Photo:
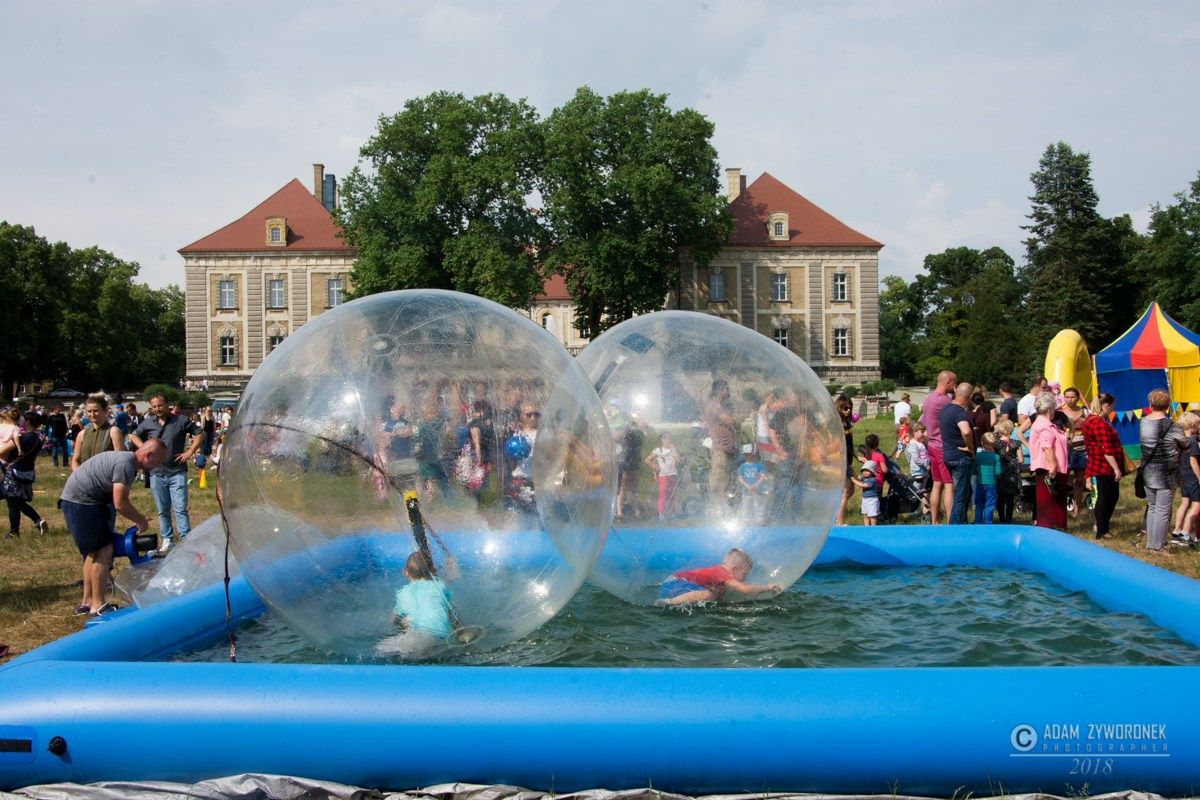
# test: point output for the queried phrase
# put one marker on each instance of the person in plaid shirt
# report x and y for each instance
(1104, 459)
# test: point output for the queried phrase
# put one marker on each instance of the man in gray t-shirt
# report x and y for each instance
(103, 481)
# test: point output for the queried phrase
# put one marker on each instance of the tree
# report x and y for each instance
(1169, 262)
(1074, 276)
(991, 346)
(900, 329)
(442, 199)
(80, 319)
(628, 184)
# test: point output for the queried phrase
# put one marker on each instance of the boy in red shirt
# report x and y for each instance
(710, 584)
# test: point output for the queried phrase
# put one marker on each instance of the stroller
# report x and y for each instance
(904, 497)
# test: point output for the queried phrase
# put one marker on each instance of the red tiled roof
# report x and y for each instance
(554, 288)
(809, 225)
(310, 226)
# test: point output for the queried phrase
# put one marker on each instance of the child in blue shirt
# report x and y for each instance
(750, 477)
(422, 610)
(987, 470)
(870, 491)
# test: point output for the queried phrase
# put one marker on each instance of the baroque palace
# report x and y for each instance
(791, 271)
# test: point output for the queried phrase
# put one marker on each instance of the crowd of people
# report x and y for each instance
(1047, 452)
(106, 447)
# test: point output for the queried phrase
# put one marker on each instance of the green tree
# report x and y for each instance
(628, 184)
(440, 199)
(161, 345)
(36, 277)
(991, 346)
(944, 290)
(101, 326)
(1169, 262)
(1074, 275)
(900, 329)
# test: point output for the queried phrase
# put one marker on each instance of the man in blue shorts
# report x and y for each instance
(102, 482)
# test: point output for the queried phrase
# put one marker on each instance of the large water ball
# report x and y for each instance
(417, 393)
(724, 441)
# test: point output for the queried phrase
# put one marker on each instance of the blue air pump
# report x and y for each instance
(138, 549)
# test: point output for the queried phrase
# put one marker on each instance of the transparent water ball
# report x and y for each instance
(414, 394)
(196, 561)
(724, 441)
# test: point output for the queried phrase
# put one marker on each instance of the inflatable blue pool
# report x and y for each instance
(97, 706)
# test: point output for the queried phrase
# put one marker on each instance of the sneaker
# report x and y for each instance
(164, 547)
(105, 609)
(82, 610)
(43, 526)
(1071, 506)
(1179, 538)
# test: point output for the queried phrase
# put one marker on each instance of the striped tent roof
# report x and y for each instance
(1154, 342)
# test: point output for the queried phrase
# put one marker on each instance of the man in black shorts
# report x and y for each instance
(103, 482)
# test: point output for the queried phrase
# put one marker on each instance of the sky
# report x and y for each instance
(140, 127)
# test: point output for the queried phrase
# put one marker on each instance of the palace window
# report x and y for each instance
(548, 321)
(841, 287)
(276, 294)
(276, 235)
(273, 342)
(226, 295)
(780, 335)
(716, 286)
(841, 342)
(228, 348)
(334, 292)
(779, 287)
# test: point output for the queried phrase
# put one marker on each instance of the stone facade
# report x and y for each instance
(820, 300)
(254, 320)
(253, 282)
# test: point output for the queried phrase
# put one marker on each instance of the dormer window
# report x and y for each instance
(276, 232)
(777, 227)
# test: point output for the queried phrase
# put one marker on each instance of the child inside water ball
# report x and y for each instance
(422, 610)
(711, 584)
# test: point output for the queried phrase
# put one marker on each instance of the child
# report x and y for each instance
(750, 479)
(871, 442)
(867, 481)
(987, 469)
(1189, 483)
(918, 462)
(665, 461)
(1008, 481)
(903, 436)
(711, 584)
(422, 610)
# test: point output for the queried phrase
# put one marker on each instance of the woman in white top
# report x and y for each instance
(665, 461)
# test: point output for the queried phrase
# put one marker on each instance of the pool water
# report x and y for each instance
(833, 617)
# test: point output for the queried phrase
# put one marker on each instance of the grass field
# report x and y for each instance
(39, 574)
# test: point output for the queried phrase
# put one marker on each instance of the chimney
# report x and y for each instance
(735, 182)
(319, 181)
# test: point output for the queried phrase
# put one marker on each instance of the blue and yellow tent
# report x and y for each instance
(1156, 353)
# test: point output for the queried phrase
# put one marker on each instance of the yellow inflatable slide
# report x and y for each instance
(1069, 363)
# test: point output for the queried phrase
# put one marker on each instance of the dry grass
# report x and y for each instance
(39, 574)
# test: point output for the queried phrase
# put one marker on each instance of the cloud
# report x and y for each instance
(143, 126)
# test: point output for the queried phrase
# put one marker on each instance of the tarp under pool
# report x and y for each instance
(90, 708)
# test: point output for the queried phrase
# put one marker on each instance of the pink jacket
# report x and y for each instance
(1044, 435)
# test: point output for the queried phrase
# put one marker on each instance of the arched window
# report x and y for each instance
(548, 321)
